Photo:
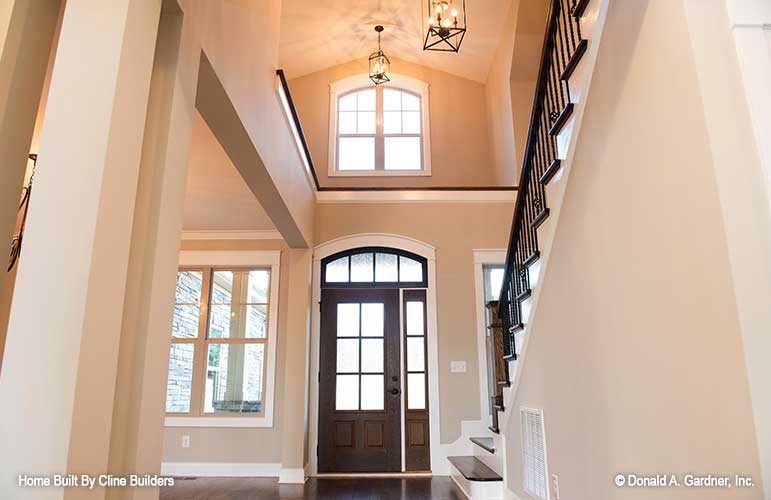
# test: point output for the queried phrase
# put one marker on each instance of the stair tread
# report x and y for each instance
(486, 443)
(474, 469)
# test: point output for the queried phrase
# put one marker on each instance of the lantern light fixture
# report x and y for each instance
(446, 25)
(379, 65)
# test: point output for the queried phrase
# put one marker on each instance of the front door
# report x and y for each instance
(359, 386)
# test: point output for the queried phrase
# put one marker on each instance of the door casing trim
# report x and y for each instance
(439, 464)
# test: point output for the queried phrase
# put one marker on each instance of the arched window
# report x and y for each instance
(379, 130)
(374, 267)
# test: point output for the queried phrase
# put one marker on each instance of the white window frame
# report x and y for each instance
(400, 82)
(270, 259)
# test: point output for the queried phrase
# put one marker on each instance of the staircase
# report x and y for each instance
(569, 50)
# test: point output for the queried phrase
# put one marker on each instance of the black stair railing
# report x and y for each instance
(552, 106)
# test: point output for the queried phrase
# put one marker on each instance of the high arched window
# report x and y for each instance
(374, 267)
(379, 130)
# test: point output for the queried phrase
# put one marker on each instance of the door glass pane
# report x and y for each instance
(234, 378)
(347, 320)
(347, 355)
(258, 282)
(184, 325)
(416, 391)
(362, 268)
(372, 320)
(337, 271)
(410, 270)
(416, 354)
(415, 318)
(371, 356)
(493, 282)
(180, 378)
(347, 392)
(189, 284)
(385, 267)
(402, 153)
(372, 392)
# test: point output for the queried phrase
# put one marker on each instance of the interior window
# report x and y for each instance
(379, 129)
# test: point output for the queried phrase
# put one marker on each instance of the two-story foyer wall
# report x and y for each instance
(460, 139)
(455, 230)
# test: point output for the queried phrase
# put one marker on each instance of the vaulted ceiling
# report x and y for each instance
(318, 34)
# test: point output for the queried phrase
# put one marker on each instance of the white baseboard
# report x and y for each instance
(220, 469)
(291, 476)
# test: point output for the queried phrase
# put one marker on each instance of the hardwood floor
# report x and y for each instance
(424, 488)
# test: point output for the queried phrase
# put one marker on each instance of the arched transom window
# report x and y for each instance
(379, 130)
(374, 267)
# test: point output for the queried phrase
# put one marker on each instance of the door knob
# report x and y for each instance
(394, 391)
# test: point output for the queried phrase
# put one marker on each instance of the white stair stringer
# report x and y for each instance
(592, 23)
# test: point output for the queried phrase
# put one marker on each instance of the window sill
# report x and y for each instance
(218, 422)
(379, 173)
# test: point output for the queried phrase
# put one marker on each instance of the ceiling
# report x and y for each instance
(318, 34)
(217, 198)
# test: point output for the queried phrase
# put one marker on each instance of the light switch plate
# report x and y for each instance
(457, 367)
(186, 441)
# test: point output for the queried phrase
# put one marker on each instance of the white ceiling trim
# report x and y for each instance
(238, 234)
(416, 196)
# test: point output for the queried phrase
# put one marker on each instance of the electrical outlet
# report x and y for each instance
(555, 486)
(457, 367)
(185, 440)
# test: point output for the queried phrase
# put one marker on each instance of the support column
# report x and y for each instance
(294, 421)
(59, 373)
(137, 434)
(26, 33)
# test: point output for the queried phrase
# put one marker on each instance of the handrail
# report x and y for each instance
(297, 126)
(552, 107)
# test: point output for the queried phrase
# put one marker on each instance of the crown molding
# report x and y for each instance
(237, 234)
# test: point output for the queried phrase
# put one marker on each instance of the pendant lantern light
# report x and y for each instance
(379, 65)
(446, 25)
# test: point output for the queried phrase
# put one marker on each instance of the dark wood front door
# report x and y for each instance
(359, 389)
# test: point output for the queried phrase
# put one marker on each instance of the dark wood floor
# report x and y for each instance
(423, 488)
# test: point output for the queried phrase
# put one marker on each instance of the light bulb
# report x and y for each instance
(438, 9)
(447, 23)
(430, 21)
(454, 12)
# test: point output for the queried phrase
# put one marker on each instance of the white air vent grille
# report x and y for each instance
(534, 453)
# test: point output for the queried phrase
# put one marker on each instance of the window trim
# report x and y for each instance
(235, 259)
(398, 81)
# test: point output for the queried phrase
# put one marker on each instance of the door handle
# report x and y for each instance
(395, 391)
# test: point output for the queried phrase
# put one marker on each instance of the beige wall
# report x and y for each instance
(240, 40)
(511, 84)
(255, 445)
(458, 117)
(635, 351)
(455, 230)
